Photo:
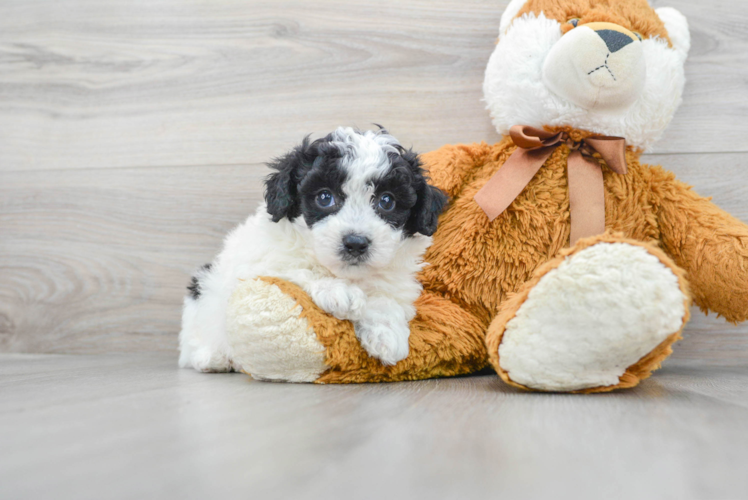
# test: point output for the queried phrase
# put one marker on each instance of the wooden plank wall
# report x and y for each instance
(133, 136)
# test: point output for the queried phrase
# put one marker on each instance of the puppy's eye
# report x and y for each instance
(325, 199)
(386, 202)
(638, 35)
(574, 21)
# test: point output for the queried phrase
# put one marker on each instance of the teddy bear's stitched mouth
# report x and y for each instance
(604, 65)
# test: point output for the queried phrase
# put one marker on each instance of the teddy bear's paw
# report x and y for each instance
(386, 342)
(268, 337)
(601, 311)
(342, 300)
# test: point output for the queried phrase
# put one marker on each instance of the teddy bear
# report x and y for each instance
(562, 261)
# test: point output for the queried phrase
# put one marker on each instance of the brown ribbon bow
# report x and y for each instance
(586, 190)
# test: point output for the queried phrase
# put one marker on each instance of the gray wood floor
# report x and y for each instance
(131, 426)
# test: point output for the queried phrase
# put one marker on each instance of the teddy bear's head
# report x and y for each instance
(612, 67)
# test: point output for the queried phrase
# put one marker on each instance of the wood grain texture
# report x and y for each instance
(133, 426)
(195, 82)
(132, 137)
(97, 260)
(90, 84)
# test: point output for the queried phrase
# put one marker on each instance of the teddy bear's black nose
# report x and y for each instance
(355, 245)
(615, 40)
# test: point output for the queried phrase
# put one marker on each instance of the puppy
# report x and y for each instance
(348, 219)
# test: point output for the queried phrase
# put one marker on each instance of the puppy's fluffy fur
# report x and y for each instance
(347, 218)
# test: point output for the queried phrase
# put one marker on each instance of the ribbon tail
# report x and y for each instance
(586, 197)
(506, 184)
(613, 151)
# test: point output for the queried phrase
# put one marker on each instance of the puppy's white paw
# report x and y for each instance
(206, 361)
(339, 299)
(388, 343)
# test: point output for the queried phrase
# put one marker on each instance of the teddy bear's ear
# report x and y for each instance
(281, 187)
(430, 203)
(509, 14)
(676, 25)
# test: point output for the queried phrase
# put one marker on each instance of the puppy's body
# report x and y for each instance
(324, 227)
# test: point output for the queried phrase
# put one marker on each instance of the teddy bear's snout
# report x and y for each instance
(614, 40)
(597, 66)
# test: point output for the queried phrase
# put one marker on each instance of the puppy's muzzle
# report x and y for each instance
(597, 66)
(355, 247)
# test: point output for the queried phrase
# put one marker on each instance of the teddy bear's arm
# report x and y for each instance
(710, 244)
(449, 166)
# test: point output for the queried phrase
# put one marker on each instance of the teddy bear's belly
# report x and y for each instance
(477, 263)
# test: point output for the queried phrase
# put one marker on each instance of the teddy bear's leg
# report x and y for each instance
(276, 332)
(268, 337)
(601, 316)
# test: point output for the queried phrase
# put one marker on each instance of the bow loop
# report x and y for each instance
(527, 137)
(586, 190)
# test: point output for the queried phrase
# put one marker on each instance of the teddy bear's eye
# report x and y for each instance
(574, 21)
(638, 35)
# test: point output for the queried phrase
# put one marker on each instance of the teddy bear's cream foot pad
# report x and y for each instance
(268, 337)
(600, 311)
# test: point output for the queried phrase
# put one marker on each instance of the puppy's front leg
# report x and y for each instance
(339, 298)
(383, 330)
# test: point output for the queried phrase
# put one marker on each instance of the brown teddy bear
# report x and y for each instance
(562, 260)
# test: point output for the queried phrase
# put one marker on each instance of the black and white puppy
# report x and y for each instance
(348, 219)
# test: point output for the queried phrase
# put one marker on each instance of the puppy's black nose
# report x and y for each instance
(615, 40)
(355, 245)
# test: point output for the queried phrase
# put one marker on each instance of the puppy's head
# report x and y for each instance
(361, 196)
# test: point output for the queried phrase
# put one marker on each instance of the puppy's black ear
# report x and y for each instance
(281, 187)
(424, 215)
